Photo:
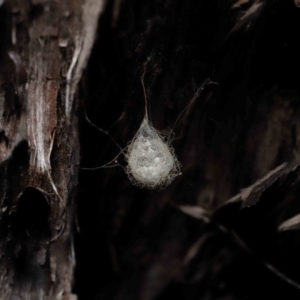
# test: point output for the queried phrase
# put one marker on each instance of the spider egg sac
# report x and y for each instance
(151, 161)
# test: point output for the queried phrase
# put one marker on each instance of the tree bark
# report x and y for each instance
(45, 48)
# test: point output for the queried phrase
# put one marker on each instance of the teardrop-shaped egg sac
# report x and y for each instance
(151, 161)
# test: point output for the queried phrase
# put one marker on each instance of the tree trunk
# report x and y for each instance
(71, 96)
(45, 46)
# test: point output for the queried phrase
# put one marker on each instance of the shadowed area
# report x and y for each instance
(231, 136)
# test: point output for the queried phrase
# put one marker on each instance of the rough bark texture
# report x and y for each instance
(221, 230)
(42, 57)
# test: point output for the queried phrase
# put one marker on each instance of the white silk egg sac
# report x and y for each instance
(151, 161)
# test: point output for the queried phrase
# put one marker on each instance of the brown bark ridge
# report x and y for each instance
(44, 49)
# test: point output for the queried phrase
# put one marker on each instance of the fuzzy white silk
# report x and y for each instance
(151, 161)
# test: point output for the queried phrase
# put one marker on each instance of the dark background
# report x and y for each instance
(133, 243)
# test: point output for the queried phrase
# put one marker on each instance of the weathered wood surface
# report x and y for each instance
(44, 48)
